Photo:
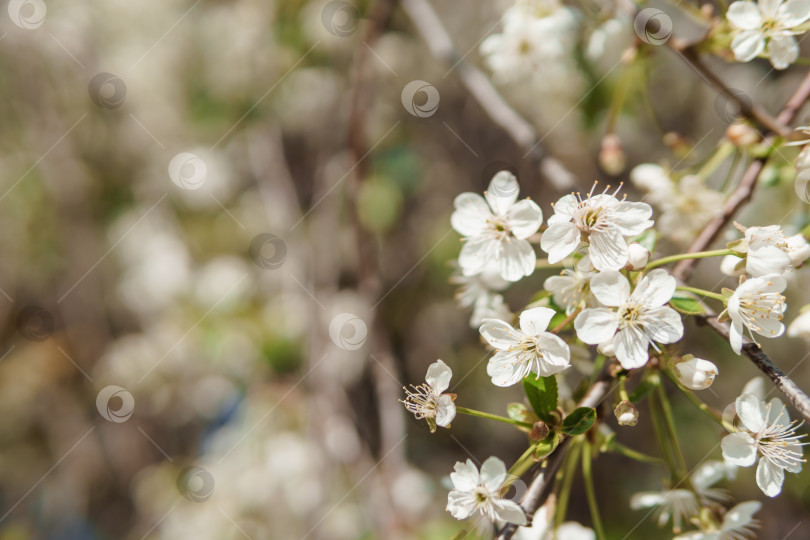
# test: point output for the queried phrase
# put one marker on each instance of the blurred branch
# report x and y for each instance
(746, 107)
(429, 25)
(543, 481)
(745, 189)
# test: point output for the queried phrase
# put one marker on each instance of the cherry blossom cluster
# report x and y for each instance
(613, 296)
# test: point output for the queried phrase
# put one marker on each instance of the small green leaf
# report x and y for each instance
(740, 246)
(546, 446)
(520, 412)
(579, 421)
(686, 304)
(542, 394)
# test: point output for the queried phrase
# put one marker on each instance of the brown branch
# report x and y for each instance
(478, 84)
(542, 483)
(683, 270)
(795, 394)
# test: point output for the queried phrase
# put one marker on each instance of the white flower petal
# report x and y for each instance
(524, 218)
(744, 15)
(751, 411)
(445, 411)
(735, 335)
(740, 516)
(465, 477)
(696, 373)
(461, 504)
(506, 369)
(739, 449)
(608, 250)
(747, 45)
(471, 214)
(559, 240)
(596, 325)
(656, 288)
(499, 334)
(632, 218)
(631, 348)
(710, 472)
(509, 511)
(611, 288)
(534, 321)
(438, 376)
(516, 259)
(770, 477)
(556, 354)
(564, 209)
(493, 474)
(502, 192)
(476, 254)
(766, 260)
(794, 12)
(663, 325)
(783, 51)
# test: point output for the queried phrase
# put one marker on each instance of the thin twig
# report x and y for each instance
(744, 190)
(478, 84)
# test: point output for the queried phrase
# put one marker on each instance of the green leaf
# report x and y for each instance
(542, 394)
(546, 446)
(579, 421)
(686, 304)
(520, 412)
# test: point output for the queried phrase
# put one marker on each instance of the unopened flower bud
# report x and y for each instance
(611, 155)
(741, 134)
(677, 143)
(626, 413)
(637, 256)
(695, 373)
(539, 431)
(607, 348)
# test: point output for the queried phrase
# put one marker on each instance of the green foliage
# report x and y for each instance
(542, 395)
(686, 304)
(579, 421)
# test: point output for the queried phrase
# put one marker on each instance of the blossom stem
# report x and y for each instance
(505, 420)
(591, 493)
(711, 413)
(723, 151)
(702, 292)
(663, 443)
(566, 322)
(523, 463)
(685, 256)
(619, 448)
(568, 473)
(670, 425)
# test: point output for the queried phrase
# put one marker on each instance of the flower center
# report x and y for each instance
(630, 314)
(761, 305)
(421, 401)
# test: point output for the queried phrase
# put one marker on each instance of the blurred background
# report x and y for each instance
(225, 248)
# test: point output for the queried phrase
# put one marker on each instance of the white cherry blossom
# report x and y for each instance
(600, 220)
(478, 291)
(480, 493)
(738, 524)
(770, 251)
(571, 289)
(632, 320)
(528, 350)
(800, 327)
(766, 430)
(767, 26)
(495, 228)
(428, 400)
(680, 505)
(758, 305)
(542, 528)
